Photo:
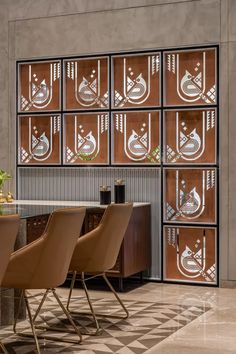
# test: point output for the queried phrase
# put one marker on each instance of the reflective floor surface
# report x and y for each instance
(165, 318)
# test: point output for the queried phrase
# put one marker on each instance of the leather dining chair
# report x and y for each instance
(9, 226)
(44, 263)
(96, 252)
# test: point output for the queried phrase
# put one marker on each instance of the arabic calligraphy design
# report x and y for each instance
(86, 138)
(87, 81)
(136, 80)
(40, 88)
(138, 136)
(191, 254)
(40, 139)
(189, 204)
(193, 75)
(193, 140)
(194, 195)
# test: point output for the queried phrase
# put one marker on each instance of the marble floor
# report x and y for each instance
(212, 330)
(212, 333)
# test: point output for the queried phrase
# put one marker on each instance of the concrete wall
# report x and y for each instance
(41, 28)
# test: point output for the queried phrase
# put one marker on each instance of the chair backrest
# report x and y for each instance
(9, 226)
(59, 240)
(102, 245)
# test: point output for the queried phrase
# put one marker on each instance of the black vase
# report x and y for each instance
(119, 193)
(105, 197)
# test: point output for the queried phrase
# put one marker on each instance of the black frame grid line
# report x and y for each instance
(109, 106)
(218, 162)
(161, 174)
(16, 133)
(195, 166)
(61, 114)
(110, 110)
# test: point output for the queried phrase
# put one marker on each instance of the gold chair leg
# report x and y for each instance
(59, 329)
(72, 284)
(98, 328)
(85, 331)
(95, 315)
(117, 296)
(40, 305)
(66, 312)
(45, 328)
(2, 347)
(18, 311)
(32, 324)
(34, 335)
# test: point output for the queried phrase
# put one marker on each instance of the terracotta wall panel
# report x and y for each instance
(190, 254)
(190, 195)
(190, 77)
(39, 139)
(39, 86)
(136, 80)
(190, 136)
(136, 137)
(86, 83)
(86, 138)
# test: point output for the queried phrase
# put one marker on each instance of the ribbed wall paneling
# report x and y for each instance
(142, 185)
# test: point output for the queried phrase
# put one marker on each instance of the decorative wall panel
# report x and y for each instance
(126, 112)
(190, 195)
(190, 254)
(190, 136)
(136, 137)
(86, 83)
(39, 139)
(39, 86)
(190, 77)
(86, 138)
(136, 80)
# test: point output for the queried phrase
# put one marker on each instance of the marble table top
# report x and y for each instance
(30, 208)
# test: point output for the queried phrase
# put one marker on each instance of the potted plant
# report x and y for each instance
(4, 176)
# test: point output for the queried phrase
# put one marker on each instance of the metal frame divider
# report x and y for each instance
(162, 166)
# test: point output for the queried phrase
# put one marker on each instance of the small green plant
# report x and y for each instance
(87, 157)
(4, 176)
(154, 156)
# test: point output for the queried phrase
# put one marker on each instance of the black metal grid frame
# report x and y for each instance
(162, 107)
(176, 164)
(143, 164)
(44, 114)
(63, 85)
(197, 227)
(70, 113)
(175, 168)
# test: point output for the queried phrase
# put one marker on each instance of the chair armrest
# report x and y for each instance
(22, 265)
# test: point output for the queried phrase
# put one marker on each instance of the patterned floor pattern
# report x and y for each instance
(149, 323)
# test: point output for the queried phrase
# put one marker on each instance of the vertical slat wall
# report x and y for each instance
(142, 185)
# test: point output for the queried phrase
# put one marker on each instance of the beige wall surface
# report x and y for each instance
(44, 28)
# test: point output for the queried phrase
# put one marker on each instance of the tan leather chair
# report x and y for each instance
(44, 263)
(97, 251)
(9, 226)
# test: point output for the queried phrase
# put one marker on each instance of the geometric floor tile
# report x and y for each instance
(149, 323)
